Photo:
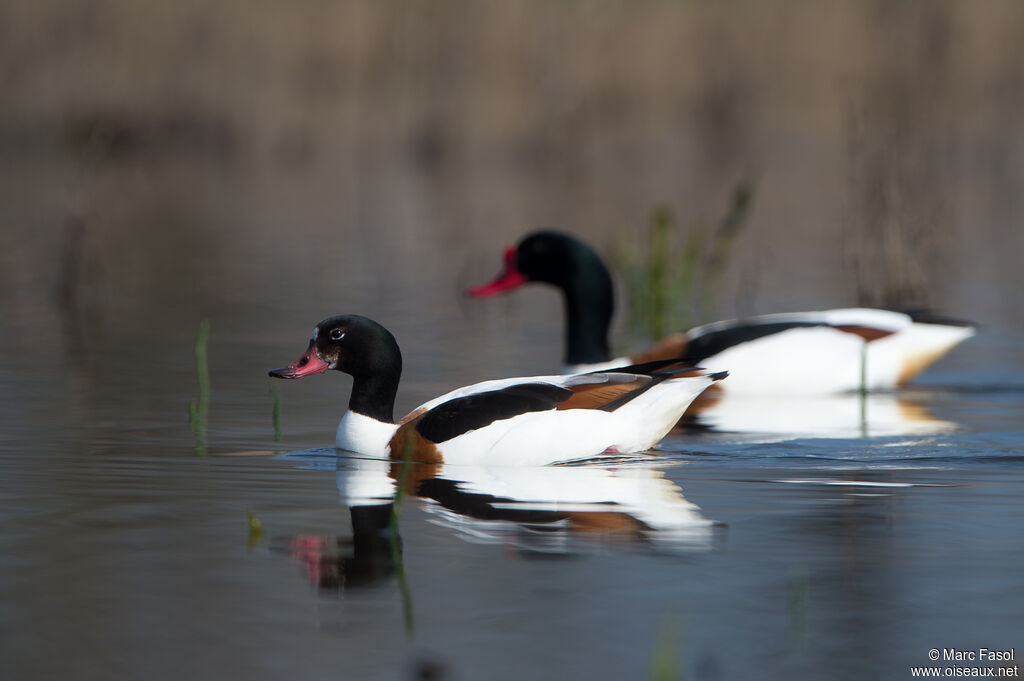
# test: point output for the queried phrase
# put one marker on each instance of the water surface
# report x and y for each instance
(847, 550)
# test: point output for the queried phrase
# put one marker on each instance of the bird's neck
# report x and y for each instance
(374, 394)
(589, 304)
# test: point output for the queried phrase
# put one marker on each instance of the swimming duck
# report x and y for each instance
(850, 349)
(534, 420)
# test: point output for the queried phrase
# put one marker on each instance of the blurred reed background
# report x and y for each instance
(161, 158)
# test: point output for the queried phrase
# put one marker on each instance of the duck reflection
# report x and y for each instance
(849, 415)
(335, 563)
(530, 511)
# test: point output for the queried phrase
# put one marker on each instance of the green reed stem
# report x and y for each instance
(724, 241)
(797, 606)
(657, 271)
(395, 539)
(666, 660)
(255, 527)
(198, 410)
(275, 416)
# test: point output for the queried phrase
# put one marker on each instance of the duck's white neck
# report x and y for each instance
(364, 435)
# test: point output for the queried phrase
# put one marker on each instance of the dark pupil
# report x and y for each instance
(335, 334)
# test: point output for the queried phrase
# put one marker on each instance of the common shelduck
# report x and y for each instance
(536, 420)
(846, 349)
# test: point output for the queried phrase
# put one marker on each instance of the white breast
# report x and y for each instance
(362, 434)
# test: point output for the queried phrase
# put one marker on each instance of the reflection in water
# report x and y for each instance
(336, 563)
(553, 510)
(548, 509)
(841, 416)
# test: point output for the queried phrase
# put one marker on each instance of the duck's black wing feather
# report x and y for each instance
(463, 414)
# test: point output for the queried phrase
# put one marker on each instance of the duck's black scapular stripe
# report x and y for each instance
(657, 377)
(926, 316)
(714, 342)
(463, 414)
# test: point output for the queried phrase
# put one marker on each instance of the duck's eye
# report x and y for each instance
(337, 334)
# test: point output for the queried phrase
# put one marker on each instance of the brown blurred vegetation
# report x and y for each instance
(159, 152)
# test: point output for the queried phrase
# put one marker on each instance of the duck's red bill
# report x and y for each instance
(506, 281)
(306, 365)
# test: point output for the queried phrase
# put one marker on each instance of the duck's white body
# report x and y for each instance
(835, 357)
(595, 366)
(835, 353)
(541, 437)
(894, 360)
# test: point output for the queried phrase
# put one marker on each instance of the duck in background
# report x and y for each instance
(839, 350)
(537, 420)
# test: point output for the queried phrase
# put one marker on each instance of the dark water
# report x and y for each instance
(831, 548)
(267, 165)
